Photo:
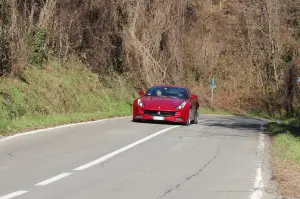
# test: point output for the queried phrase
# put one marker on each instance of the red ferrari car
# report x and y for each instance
(167, 103)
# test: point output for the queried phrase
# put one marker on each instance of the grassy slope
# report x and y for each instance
(286, 139)
(286, 156)
(57, 95)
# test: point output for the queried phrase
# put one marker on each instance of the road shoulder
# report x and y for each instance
(270, 190)
(285, 159)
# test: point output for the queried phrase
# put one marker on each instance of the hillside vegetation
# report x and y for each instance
(63, 94)
(250, 46)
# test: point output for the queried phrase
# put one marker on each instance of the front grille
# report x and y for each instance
(160, 113)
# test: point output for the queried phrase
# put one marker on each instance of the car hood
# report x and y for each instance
(162, 103)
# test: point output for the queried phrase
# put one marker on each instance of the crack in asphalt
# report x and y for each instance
(233, 191)
(11, 154)
(190, 177)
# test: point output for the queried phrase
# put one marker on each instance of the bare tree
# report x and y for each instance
(242, 43)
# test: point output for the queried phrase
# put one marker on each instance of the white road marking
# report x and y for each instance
(53, 128)
(55, 178)
(12, 195)
(258, 181)
(110, 155)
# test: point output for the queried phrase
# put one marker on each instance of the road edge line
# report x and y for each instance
(258, 182)
(4, 138)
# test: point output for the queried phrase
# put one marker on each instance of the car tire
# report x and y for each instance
(188, 122)
(196, 120)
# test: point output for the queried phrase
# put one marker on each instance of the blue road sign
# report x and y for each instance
(213, 83)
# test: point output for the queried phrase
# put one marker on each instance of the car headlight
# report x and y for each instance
(181, 106)
(140, 103)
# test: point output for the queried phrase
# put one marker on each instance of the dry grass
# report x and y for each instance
(287, 176)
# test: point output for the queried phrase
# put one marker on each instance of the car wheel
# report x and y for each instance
(134, 120)
(188, 122)
(196, 120)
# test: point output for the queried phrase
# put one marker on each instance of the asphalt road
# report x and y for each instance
(219, 158)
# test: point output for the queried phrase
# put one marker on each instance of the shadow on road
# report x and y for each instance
(292, 128)
(243, 123)
(156, 122)
(238, 123)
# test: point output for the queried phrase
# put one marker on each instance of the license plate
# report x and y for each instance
(158, 118)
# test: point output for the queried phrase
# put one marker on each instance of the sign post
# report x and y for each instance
(212, 86)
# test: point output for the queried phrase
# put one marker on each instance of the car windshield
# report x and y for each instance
(164, 91)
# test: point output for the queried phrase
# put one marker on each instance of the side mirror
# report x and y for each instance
(194, 96)
(141, 93)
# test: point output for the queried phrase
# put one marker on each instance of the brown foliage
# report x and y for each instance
(244, 43)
